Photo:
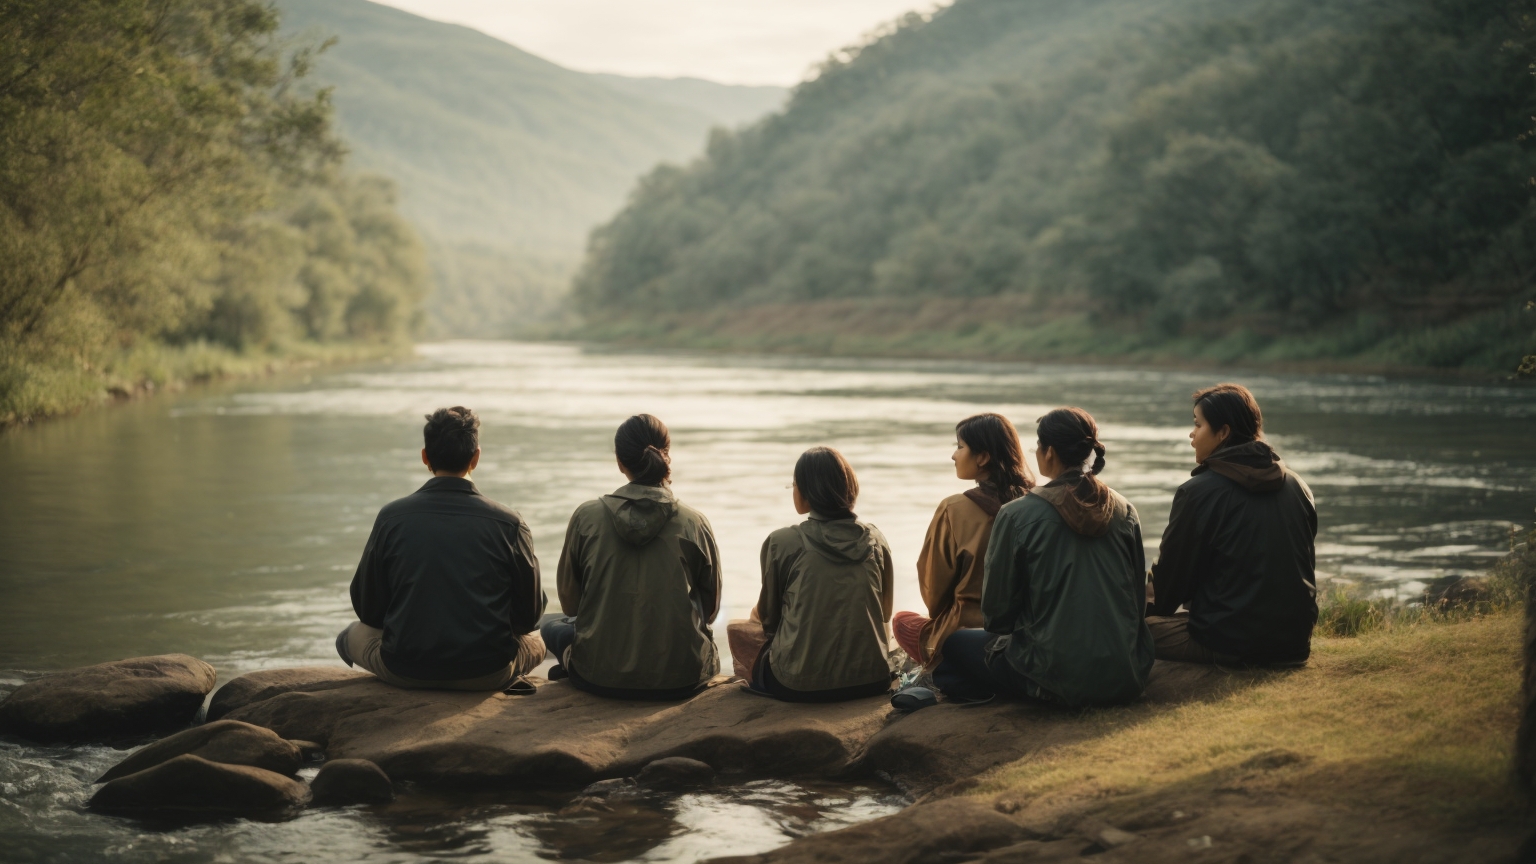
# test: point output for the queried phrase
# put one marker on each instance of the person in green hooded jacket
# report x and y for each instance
(1064, 590)
(826, 600)
(639, 582)
(1238, 552)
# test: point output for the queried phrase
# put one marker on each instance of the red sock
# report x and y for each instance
(908, 629)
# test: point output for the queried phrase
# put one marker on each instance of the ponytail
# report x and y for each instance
(1072, 433)
(643, 446)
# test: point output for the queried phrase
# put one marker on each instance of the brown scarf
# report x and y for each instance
(1084, 502)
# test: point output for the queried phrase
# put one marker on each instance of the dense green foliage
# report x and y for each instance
(1174, 168)
(163, 185)
(505, 161)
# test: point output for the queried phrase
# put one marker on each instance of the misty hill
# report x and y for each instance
(1236, 178)
(504, 160)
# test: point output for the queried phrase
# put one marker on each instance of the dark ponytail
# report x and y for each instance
(1008, 477)
(826, 481)
(642, 445)
(1072, 433)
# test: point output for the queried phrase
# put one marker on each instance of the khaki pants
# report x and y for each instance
(1170, 636)
(366, 645)
(746, 638)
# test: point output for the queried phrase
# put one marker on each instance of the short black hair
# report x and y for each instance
(452, 436)
(1233, 406)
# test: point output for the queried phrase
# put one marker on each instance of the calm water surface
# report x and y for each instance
(226, 524)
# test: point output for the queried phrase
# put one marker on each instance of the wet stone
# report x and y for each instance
(228, 742)
(109, 701)
(352, 781)
(675, 773)
(192, 787)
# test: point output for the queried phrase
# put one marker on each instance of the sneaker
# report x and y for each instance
(913, 698)
(557, 673)
(520, 687)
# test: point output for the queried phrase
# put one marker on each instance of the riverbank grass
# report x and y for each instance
(1407, 725)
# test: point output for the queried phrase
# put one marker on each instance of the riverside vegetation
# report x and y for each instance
(1271, 180)
(172, 207)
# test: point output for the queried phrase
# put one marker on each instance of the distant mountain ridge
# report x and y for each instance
(504, 160)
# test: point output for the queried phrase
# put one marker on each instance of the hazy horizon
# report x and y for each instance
(750, 42)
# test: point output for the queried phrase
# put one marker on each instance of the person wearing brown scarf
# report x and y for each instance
(1064, 589)
(954, 553)
(1238, 552)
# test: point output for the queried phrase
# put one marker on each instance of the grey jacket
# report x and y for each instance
(826, 600)
(641, 574)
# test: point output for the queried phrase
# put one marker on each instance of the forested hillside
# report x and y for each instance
(1261, 179)
(505, 161)
(170, 207)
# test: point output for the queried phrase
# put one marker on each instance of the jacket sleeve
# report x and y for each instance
(770, 600)
(527, 591)
(706, 580)
(1178, 556)
(1005, 582)
(887, 581)
(370, 585)
(936, 564)
(568, 575)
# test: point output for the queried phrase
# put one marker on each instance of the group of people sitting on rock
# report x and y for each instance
(1032, 591)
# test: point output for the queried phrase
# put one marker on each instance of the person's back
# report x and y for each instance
(827, 587)
(1070, 594)
(447, 593)
(639, 578)
(1238, 551)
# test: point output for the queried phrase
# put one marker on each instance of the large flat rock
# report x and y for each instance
(561, 736)
(109, 701)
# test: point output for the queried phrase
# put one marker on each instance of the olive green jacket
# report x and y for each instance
(825, 603)
(1072, 602)
(641, 574)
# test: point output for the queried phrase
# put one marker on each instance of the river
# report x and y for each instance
(225, 522)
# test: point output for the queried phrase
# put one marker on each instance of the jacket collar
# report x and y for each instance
(450, 484)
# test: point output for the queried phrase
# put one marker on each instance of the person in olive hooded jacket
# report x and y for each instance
(639, 579)
(1064, 589)
(1239, 547)
(827, 594)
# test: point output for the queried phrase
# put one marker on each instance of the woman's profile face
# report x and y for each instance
(1203, 438)
(968, 465)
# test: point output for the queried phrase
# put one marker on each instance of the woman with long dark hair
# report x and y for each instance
(826, 597)
(1065, 587)
(1239, 550)
(639, 582)
(954, 554)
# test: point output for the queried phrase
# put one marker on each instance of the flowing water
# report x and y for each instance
(226, 522)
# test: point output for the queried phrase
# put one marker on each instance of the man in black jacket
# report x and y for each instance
(447, 594)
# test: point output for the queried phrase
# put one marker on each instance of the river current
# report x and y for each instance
(225, 522)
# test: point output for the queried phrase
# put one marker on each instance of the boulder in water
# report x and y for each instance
(228, 742)
(109, 701)
(190, 786)
(257, 686)
(352, 781)
(675, 773)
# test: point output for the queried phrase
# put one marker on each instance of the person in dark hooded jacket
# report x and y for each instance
(827, 595)
(1064, 588)
(639, 582)
(1239, 550)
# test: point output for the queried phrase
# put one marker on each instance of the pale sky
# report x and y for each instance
(730, 41)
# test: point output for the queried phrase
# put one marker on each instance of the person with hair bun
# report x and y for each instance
(639, 582)
(818, 632)
(1239, 549)
(1065, 587)
(954, 553)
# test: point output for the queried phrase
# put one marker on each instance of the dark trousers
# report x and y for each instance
(560, 634)
(974, 668)
(763, 681)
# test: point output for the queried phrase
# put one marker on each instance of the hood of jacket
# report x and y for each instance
(640, 512)
(986, 498)
(1254, 465)
(845, 541)
(1083, 501)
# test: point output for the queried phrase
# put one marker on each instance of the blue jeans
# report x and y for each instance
(974, 668)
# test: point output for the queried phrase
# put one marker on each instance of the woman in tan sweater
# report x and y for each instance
(950, 567)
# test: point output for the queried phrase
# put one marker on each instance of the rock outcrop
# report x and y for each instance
(256, 686)
(190, 786)
(228, 742)
(109, 701)
(351, 781)
(563, 737)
